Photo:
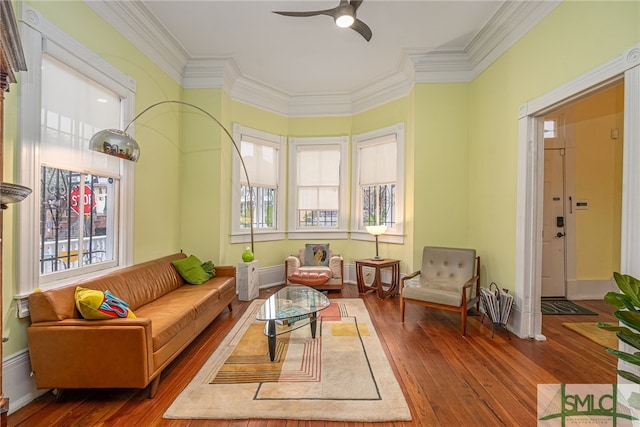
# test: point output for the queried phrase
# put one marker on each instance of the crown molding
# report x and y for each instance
(511, 22)
(203, 73)
(258, 94)
(138, 25)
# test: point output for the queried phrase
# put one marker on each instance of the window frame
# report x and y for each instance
(40, 37)
(310, 233)
(394, 234)
(277, 142)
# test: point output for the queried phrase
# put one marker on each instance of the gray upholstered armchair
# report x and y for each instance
(315, 266)
(449, 280)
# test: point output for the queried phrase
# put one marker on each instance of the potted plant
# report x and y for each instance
(628, 313)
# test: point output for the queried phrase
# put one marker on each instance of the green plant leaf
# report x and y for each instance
(613, 328)
(630, 338)
(615, 299)
(628, 376)
(635, 360)
(629, 318)
(630, 286)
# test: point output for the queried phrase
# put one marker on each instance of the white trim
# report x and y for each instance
(17, 383)
(260, 235)
(356, 218)
(39, 35)
(341, 144)
(134, 21)
(590, 289)
(530, 144)
(630, 251)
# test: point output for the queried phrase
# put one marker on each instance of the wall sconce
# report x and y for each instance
(12, 193)
(119, 144)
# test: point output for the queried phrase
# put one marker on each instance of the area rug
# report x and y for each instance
(564, 307)
(598, 335)
(341, 375)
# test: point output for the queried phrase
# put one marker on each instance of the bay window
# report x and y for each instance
(318, 187)
(378, 182)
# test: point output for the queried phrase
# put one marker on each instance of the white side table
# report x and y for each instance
(248, 281)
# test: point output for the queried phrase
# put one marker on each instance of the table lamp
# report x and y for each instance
(376, 230)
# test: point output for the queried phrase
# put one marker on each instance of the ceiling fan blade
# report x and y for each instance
(362, 28)
(356, 4)
(310, 13)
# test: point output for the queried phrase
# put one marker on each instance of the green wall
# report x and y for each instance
(157, 203)
(576, 37)
(461, 146)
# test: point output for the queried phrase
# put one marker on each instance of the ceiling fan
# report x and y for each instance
(344, 14)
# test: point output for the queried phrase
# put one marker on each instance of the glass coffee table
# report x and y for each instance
(292, 307)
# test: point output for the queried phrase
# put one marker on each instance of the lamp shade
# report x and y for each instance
(376, 230)
(115, 143)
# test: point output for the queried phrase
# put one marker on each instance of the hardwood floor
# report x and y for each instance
(447, 379)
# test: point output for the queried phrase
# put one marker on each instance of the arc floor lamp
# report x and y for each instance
(119, 144)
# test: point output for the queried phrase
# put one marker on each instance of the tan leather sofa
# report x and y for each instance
(68, 351)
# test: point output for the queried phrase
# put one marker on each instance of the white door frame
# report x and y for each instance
(527, 320)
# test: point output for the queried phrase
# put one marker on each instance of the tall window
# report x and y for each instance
(378, 179)
(78, 220)
(263, 156)
(318, 185)
(77, 225)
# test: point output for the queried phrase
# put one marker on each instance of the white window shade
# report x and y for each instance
(318, 198)
(260, 159)
(67, 123)
(318, 167)
(378, 163)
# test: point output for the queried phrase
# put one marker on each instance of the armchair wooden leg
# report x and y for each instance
(402, 307)
(464, 321)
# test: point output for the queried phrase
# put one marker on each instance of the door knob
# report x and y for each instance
(560, 234)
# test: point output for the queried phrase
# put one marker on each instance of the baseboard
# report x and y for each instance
(590, 289)
(17, 383)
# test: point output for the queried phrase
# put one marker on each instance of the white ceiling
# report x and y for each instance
(309, 66)
(312, 55)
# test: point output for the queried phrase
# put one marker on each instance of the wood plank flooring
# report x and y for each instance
(447, 379)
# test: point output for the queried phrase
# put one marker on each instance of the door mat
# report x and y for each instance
(564, 307)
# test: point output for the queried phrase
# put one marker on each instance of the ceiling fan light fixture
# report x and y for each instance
(345, 16)
(344, 21)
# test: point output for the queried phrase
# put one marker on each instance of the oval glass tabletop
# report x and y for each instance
(292, 302)
(289, 309)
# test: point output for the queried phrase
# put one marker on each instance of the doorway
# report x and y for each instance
(582, 195)
(527, 319)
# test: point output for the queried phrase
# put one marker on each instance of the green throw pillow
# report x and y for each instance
(94, 304)
(191, 270)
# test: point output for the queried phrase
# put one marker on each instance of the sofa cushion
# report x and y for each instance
(191, 270)
(94, 304)
(316, 254)
(309, 277)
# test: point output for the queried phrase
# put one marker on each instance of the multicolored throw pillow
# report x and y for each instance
(316, 254)
(94, 304)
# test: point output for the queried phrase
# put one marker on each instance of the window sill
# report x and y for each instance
(318, 234)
